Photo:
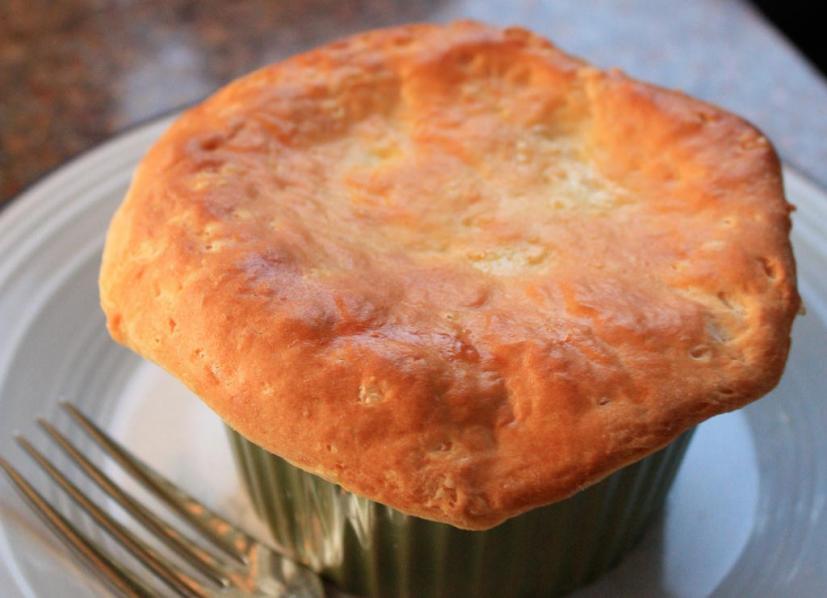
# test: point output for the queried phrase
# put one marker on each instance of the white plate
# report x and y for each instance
(746, 516)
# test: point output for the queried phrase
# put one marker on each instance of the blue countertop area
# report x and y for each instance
(722, 51)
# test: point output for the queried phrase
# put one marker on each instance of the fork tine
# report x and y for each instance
(160, 566)
(177, 542)
(230, 539)
(114, 574)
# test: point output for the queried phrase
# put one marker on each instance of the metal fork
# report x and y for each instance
(235, 565)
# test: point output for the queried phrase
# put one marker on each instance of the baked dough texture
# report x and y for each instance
(454, 269)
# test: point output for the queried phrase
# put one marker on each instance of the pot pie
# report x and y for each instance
(455, 270)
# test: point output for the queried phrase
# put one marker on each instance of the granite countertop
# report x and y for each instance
(75, 72)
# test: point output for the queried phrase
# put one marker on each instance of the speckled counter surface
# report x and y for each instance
(75, 72)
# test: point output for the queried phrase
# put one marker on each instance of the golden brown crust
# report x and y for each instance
(454, 269)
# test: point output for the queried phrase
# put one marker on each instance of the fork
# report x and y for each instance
(235, 565)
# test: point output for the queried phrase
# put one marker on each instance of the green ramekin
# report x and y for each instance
(370, 549)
